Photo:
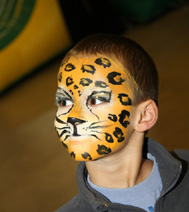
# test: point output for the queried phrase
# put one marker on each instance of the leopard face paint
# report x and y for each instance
(94, 101)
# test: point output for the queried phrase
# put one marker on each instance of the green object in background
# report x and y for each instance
(32, 32)
(139, 10)
(14, 15)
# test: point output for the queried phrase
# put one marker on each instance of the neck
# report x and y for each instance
(122, 169)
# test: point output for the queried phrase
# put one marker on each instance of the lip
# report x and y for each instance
(82, 138)
(78, 138)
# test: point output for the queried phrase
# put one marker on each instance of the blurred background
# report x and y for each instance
(36, 173)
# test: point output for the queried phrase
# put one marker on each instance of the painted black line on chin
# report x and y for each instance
(67, 136)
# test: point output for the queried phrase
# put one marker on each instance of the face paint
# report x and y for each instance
(94, 101)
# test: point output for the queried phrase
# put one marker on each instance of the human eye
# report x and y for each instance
(94, 101)
(63, 99)
(98, 98)
(63, 102)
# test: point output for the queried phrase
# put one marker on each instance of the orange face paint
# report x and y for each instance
(94, 102)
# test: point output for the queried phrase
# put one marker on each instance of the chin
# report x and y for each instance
(79, 158)
(83, 151)
(81, 138)
(87, 148)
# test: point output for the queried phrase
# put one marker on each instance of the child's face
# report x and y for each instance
(94, 102)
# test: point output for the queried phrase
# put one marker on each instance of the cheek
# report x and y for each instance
(116, 121)
(64, 110)
(118, 118)
(61, 127)
(61, 117)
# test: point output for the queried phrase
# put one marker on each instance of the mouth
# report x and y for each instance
(82, 137)
(78, 138)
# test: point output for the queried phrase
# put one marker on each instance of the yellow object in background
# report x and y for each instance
(31, 33)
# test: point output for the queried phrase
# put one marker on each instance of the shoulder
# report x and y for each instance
(76, 204)
(177, 198)
(69, 206)
(182, 154)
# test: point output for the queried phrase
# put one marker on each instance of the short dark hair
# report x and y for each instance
(131, 55)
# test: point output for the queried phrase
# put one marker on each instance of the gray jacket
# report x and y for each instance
(174, 196)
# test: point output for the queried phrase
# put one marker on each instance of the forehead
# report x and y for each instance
(96, 71)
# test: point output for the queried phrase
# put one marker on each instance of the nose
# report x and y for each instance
(75, 121)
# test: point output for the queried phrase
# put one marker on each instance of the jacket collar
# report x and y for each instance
(169, 169)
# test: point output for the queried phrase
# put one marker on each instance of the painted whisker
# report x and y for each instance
(61, 128)
(96, 136)
(60, 121)
(97, 131)
(96, 127)
(63, 132)
(96, 123)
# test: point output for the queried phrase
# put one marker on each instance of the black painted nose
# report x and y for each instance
(74, 121)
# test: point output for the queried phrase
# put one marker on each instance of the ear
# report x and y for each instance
(147, 115)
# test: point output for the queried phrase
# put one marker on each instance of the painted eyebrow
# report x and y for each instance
(101, 93)
(62, 92)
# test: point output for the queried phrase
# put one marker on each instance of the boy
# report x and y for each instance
(107, 100)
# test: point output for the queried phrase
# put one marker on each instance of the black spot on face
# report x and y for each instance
(103, 150)
(101, 84)
(112, 117)
(123, 118)
(60, 77)
(124, 99)
(109, 138)
(88, 68)
(69, 81)
(79, 92)
(69, 67)
(85, 81)
(72, 154)
(115, 78)
(76, 87)
(86, 155)
(103, 62)
(118, 134)
(71, 92)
